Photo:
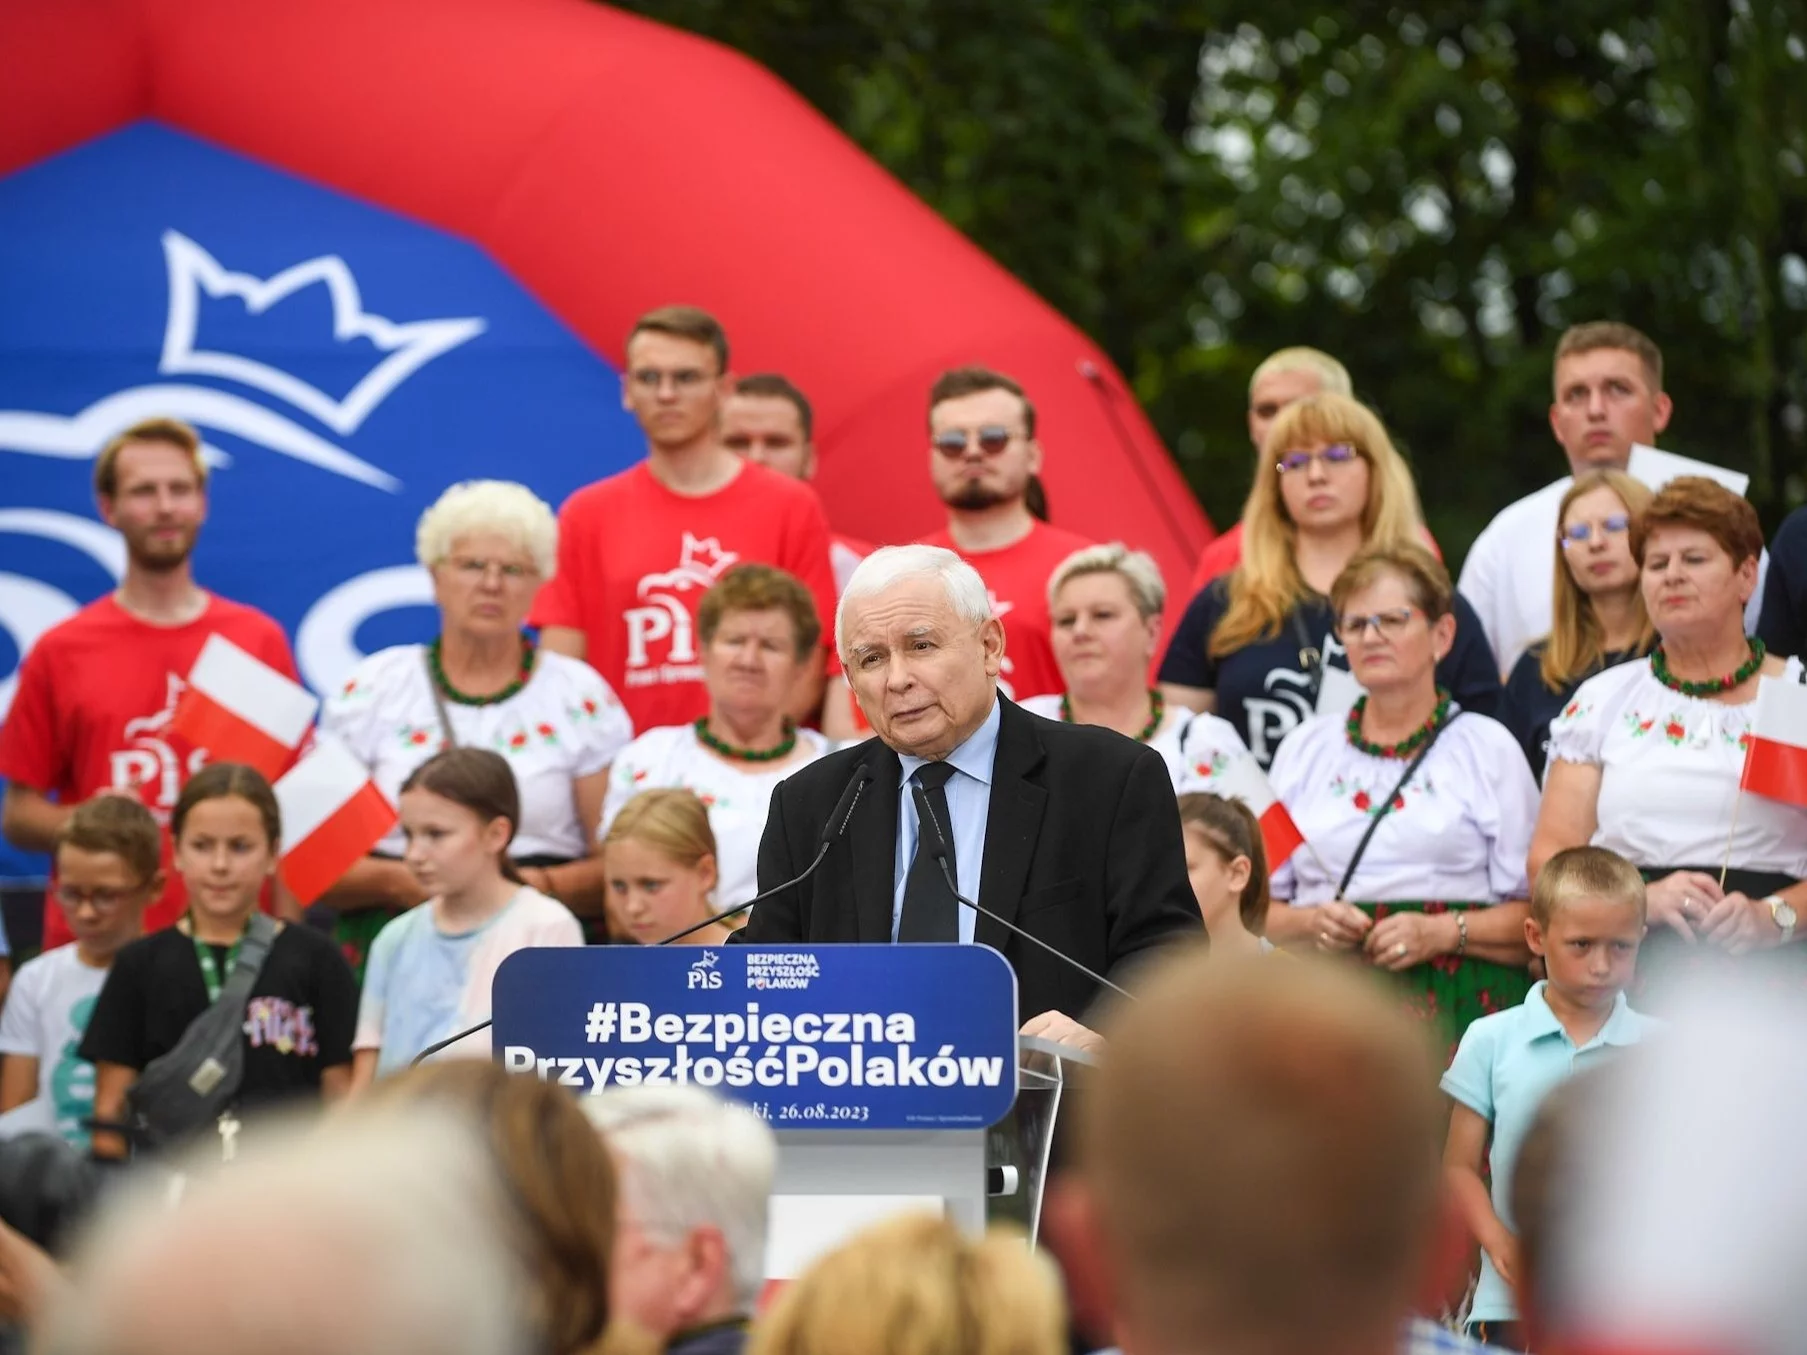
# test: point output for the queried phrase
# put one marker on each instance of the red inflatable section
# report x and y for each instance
(611, 165)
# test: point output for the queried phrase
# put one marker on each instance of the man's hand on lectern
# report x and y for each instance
(1063, 1029)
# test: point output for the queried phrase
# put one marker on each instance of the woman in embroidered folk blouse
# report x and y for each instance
(758, 628)
(1648, 756)
(488, 545)
(1442, 878)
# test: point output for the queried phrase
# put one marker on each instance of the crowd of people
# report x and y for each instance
(1497, 781)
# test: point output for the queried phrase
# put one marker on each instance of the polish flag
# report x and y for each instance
(240, 709)
(332, 815)
(1775, 758)
(1244, 780)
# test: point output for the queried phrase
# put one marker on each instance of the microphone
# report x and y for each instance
(928, 823)
(832, 832)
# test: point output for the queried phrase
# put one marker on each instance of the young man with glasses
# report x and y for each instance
(982, 458)
(637, 551)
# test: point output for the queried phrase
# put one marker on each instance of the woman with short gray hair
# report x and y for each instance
(483, 683)
(1105, 606)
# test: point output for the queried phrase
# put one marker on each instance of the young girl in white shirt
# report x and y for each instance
(431, 969)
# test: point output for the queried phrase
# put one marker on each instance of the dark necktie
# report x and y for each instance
(929, 910)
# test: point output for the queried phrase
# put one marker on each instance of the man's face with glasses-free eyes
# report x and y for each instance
(1273, 393)
(673, 387)
(979, 453)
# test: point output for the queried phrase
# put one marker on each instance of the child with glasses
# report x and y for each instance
(108, 855)
(1598, 619)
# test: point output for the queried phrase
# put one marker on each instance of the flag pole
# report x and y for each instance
(1731, 833)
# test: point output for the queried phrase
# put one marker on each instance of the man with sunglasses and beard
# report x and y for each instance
(983, 457)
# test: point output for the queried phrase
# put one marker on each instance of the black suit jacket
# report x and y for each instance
(1082, 849)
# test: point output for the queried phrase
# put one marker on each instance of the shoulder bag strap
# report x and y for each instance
(260, 934)
(1386, 806)
(445, 720)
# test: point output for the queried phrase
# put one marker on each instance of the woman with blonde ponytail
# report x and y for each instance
(1253, 646)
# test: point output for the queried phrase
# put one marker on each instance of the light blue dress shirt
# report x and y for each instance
(968, 805)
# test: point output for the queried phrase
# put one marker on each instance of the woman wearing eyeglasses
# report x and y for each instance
(1253, 647)
(1417, 814)
(482, 683)
(1598, 619)
(1648, 758)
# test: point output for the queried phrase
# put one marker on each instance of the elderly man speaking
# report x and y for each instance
(1069, 831)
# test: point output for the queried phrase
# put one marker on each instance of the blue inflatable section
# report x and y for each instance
(344, 365)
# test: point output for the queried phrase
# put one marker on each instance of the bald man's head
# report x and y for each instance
(374, 1235)
(1261, 1152)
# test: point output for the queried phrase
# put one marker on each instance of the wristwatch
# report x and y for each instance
(1783, 912)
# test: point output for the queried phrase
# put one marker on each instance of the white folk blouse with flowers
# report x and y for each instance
(737, 797)
(1165, 740)
(1669, 772)
(1459, 831)
(565, 723)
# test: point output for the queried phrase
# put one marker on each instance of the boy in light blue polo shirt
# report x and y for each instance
(1586, 921)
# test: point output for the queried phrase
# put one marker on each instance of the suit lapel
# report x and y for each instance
(1013, 824)
(873, 835)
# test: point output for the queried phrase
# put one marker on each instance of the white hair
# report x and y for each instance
(1139, 571)
(390, 1229)
(891, 565)
(688, 1159)
(499, 506)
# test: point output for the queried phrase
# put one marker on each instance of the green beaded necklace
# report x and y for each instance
(728, 750)
(1659, 667)
(1157, 706)
(437, 668)
(1406, 746)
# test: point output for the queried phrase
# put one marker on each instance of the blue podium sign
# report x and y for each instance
(833, 1036)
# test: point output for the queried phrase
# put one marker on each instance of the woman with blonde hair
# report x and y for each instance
(1105, 604)
(917, 1285)
(660, 860)
(1253, 646)
(1598, 617)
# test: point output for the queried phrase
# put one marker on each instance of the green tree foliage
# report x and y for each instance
(1432, 193)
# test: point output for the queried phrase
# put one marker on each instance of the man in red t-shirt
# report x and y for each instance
(770, 422)
(637, 551)
(96, 692)
(982, 457)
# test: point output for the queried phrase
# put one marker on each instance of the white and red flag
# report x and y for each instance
(240, 709)
(1239, 777)
(1775, 758)
(332, 815)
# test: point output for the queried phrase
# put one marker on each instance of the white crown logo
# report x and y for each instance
(408, 347)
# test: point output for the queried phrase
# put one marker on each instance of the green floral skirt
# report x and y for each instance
(355, 932)
(1452, 993)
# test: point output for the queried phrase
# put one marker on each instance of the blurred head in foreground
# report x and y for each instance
(557, 1176)
(1674, 1212)
(375, 1235)
(917, 1285)
(1259, 1162)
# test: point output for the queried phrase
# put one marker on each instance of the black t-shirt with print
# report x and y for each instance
(299, 1019)
(1528, 705)
(1265, 689)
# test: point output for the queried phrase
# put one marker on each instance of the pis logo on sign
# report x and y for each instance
(703, 973)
